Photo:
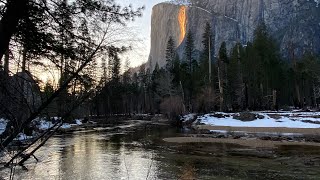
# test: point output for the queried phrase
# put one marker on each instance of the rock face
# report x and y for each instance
(294, 23)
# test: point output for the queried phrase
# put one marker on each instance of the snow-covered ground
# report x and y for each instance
(42, 124)
(23, 137)
(3, 124)
(188, 117)
(282, 119)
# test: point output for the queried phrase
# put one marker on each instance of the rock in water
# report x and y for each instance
(294, 23)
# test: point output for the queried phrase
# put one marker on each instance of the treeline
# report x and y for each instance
(250, 77)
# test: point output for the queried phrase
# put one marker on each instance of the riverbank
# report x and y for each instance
(247, 142)
(257, 133)
(281, 124)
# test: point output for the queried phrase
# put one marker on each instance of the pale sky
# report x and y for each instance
(141, 28)
(139, 31)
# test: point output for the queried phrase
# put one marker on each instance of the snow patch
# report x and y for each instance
(23, 137)
(44, 125)
(188, 117)
(66, 126)
(3, 125)
(78, 121)
(180, 2)
(202, 9)
(267, 121)
(230, 18)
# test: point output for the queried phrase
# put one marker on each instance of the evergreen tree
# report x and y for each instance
(269, 65)
(170, 54)
(223, 56)
(176, 72)
(127, 73)
(236, 88)
(222, 75)
(189, 51)
(207, 54)
(189, 81)
(115, 73)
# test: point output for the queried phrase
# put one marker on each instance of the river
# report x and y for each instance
(135, 151)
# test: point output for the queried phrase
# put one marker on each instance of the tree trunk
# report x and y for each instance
(298, 94)
(16, 9)
(24, 60)
(274, 100)
(6, 62)
(220, 89)
(246, 106)
(183, 99)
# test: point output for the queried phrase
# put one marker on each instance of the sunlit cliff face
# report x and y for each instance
(182, 18)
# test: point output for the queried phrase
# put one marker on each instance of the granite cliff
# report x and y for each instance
(290, 22)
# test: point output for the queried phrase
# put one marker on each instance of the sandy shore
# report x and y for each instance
(254, 143)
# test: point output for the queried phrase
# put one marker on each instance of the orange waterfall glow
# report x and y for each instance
(182, 18)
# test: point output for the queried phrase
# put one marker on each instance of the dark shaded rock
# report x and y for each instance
(266, 138)
(217, 115)
(311, 122)
(247, 116)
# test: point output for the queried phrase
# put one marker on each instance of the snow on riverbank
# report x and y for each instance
(41, 124)
(44, 124)
(23, 137)
(188, 117)
(3, 124)
(267, 119)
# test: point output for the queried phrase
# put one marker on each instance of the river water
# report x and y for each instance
(135, 151)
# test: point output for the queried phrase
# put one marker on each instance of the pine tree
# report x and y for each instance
(222, 77)
(189, 83)
(269, 65)
(127, 72)
(189, 51)
(235, 78)
(170, 54)
(207, 54)
(115, 73)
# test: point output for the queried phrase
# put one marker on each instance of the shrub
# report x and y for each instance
(172, 107)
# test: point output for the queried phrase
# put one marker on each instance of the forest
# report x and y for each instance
(254, 76)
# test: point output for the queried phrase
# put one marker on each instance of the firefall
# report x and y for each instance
(182, 18)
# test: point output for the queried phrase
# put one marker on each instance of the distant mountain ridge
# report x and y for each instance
(293, 23)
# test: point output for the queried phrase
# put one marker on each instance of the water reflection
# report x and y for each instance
(87, 156)
(141, 155)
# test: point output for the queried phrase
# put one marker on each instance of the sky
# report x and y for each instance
(141, 28)
(136, 33)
